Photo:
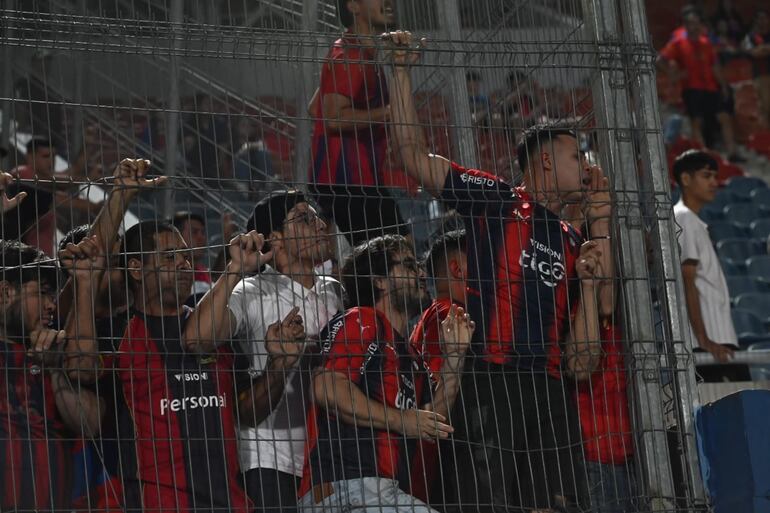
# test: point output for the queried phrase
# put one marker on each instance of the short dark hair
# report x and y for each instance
(535, 136)
(689, 9)
(182, 217)
(38, 142)
(22, 263)
(691, 161)
(75, 235)
(139, 241)
(346, 17)
(271, 211)
(369, 260)
(441, 248)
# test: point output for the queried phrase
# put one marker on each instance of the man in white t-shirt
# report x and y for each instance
(272, 454)
(705, 287)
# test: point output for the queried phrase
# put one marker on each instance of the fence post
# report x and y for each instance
(8, 107)
(309, 80)
(614, 127)
(655, 171)
(463, 133)
(173, 134)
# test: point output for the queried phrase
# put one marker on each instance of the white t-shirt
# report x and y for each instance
(256, 303)
(695, 244)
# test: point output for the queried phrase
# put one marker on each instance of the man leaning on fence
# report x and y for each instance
(181, 388)
(533, 286)
(373, 395)
(272, 452)
(42, 408)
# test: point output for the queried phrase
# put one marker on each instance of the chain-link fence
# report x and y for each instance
(284, 284)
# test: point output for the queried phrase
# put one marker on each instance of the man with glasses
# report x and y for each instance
(296, 237)
(374, 396)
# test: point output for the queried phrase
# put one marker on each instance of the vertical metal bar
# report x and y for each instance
(614, 122)
(464, 137)
(304, 123)
(8, 56)
(655, 169)
(176, 16)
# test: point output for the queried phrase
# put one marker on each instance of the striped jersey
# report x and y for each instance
(362, 344)
(351, 157)
(521, 262)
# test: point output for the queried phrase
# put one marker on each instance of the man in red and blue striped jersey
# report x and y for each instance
(528, 274)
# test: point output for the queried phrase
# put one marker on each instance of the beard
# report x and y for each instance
(408, 300)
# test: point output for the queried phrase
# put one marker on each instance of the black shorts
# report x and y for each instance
(516, 444)
(699, 103)
(361, 212)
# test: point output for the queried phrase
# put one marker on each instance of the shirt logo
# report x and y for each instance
(405, 398)
(192, 376)
(544, 261)
(192, 403)
(477, 180)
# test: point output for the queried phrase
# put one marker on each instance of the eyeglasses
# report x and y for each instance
(410, 264)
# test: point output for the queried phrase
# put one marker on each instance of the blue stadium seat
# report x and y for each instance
(743, 213)
(749, 328)
(731, 269)
(743, 186)
(711, 213)
(759, 267)
(761, 198)
(760, 372)
(736, 251)
(757, 303)
(738, 285)
(721, 230)
(760, 229)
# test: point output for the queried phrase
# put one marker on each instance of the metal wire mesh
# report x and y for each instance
(200, 370)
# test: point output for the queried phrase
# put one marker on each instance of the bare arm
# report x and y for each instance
(336, 394)
(339, 114)
(285, 344)
(211, 322)
(81, 356)
(455, 338)
(583, 347)
(429, 170)
(692, 298)
(78, 406)
(81, 409)
(130, 178)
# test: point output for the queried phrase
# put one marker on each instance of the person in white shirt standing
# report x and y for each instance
(272, 454)
(705, 287)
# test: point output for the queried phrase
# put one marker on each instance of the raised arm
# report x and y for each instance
(9, 203)
(455, 338)
(583, 347)
(85, 262)
(130, 177)
(211, 324)
(428, 169)
(598, 216)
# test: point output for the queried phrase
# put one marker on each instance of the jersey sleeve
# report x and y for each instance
(343, 73)
(472, 191)
(350, 345)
